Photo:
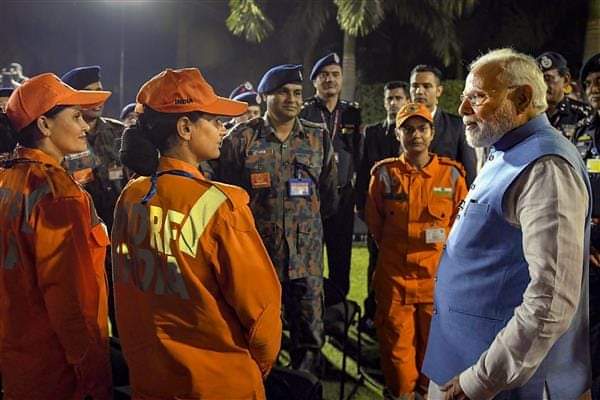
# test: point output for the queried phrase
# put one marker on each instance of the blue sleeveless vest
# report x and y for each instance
(483, 274)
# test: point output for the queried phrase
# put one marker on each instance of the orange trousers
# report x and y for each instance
(403, 330)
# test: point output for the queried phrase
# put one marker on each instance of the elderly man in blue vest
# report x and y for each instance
(511, 299)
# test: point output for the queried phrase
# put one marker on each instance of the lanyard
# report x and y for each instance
(154, 178)
(336, 121)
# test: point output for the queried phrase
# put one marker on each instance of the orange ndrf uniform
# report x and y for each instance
(53, 290)
(198, 300)
(409, 213)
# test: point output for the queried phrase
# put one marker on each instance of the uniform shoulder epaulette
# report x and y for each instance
(353, 104)
(235, 194)
(113, 121)
(311, 124)
(382, 162)
(584, 108)
(448, 161)
(253, 123)
(308, 102)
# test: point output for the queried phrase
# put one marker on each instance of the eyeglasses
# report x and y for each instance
(476, 99)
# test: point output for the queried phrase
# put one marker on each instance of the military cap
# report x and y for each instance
(413, 110)
(129, 108)
(551, 60)
(245, 92)
(591, 65)
(80, 77)
(329, 59)
(6, 91)
(278, 76)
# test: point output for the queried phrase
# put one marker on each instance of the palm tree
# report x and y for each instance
(356, 18)
(592, 34)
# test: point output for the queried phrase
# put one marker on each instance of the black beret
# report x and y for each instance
(591, 65)
(551, 60)
(279, 76)
(80, 77)
(329, 59)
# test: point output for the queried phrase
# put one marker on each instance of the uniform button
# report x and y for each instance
(435, 278)
(491, 157)
(286, 163)
(434, 310)
(472, 186)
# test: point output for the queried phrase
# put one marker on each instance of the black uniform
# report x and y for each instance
(449, 140)
(570, 115)
(380, 143)
(343, 124)
(587, 140)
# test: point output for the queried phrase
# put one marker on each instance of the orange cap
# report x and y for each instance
(412, 110)
(42, 93)
(185, 90)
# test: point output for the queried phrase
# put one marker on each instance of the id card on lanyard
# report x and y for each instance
(336, 122)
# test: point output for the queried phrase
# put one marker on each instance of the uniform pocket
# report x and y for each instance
(99, 236)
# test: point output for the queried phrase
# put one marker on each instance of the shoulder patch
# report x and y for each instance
(311, 124)
(235, 194)
(457, 165)
(382, 162)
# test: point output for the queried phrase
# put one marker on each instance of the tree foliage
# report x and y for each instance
(247, 19)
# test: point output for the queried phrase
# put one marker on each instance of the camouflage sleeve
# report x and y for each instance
(328, 181)
(228, 168)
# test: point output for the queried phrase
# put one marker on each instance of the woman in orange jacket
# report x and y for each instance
(411, 205)
(198, 301)
(53, 293)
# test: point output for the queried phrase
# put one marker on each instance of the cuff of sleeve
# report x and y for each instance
(473, 387)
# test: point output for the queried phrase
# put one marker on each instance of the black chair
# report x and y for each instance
(341, 313)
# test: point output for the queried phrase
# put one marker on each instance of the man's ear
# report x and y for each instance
(521, 97)
(43, 124)
(184, 128)
(439, 91)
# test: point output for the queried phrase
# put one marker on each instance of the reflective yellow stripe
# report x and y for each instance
(200, 215)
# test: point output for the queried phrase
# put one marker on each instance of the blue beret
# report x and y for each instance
(331, 58)
(129, 108)
(279, 76)
(551, 60)
(6, 91)
(591, 65)
(245, 92)
(80, 77)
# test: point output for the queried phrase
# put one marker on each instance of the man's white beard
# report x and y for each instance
(492, 130)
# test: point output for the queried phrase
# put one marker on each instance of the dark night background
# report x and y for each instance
(59, 35)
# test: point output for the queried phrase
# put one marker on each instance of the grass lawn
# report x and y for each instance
(358, 292)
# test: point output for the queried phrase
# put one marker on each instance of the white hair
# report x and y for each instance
(518, 69)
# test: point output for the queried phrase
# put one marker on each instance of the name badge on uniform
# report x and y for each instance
(593, 164)
(435, 235)
(299, 187)
(442, 191)
(260, 180)
(115, 173)
(80, 166)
